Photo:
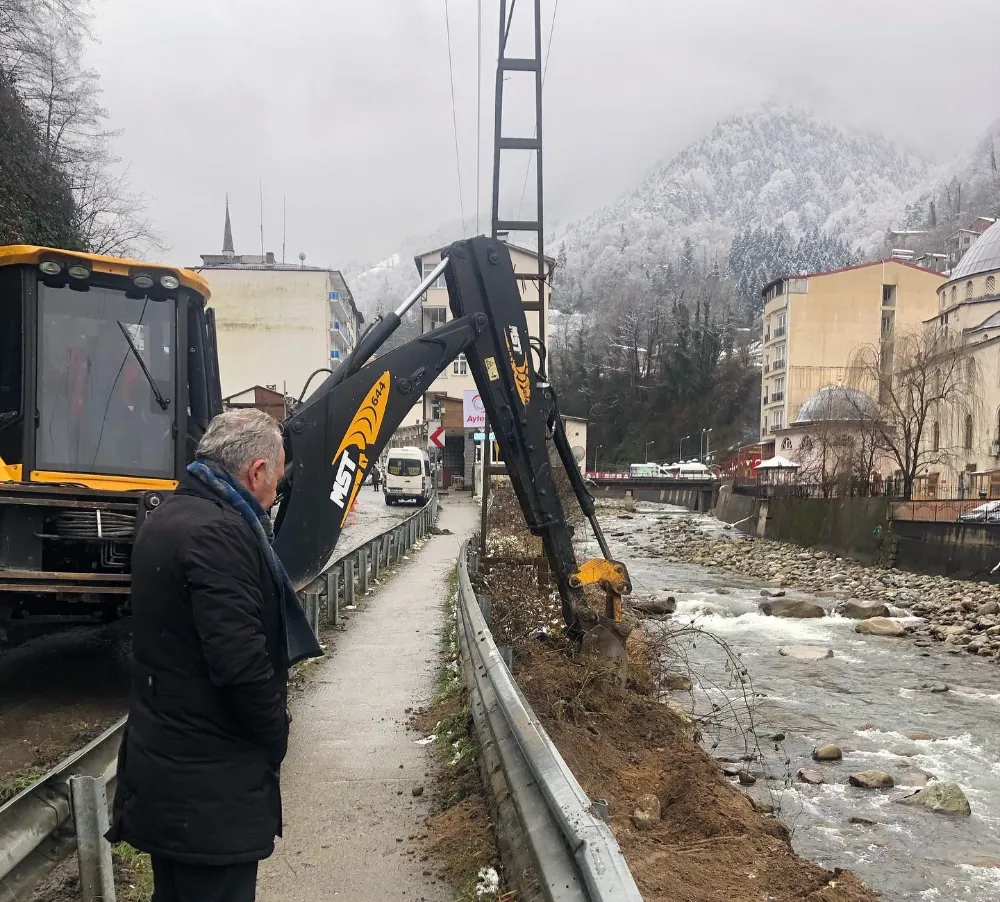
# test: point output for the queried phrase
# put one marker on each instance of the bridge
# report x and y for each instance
(694, 494)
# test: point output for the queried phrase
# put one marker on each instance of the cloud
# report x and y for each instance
(345, 108)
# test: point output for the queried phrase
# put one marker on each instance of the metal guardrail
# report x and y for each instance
(575, 856)
(38, 827)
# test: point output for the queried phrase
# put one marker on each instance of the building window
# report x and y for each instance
(889, 320)
(763, 431)
(428, 268)
(888, 295)
(954, 293)
(336, 324)
(968, 290)
(335, 354)
(786, 444)
(460, 367)
(435, 318)
(334, 295)
(779, 419)
(991, 284)
(780, 329)
(937, 437)
(968, 432)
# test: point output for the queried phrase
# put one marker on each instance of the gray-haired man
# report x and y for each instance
(207, 730)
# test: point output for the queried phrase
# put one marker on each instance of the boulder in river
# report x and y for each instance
(664, 604)
(988, 609)
(941, 798)
(871, 779)
(787, 607)
(919, 736)
(880, 626)
(810, 776)
(856, 610)
(827, 753)
(805, 652)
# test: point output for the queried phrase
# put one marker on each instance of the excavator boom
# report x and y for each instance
(334, 440)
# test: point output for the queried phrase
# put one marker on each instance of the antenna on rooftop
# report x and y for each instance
(284, 227)
(260, 185)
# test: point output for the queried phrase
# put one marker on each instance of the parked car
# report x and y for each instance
(990, 511)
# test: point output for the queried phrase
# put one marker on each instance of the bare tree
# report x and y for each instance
(921, 382)
(44, 49)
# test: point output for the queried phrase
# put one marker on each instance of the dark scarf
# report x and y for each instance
(300, 641)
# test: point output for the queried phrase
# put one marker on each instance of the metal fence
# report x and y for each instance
(555, 825)
(67, 809)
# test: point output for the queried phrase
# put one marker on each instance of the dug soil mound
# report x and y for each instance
(710, 843)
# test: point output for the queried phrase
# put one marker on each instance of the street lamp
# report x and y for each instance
(706, 438)
(680, 447)
(598, 448)
(650, 442)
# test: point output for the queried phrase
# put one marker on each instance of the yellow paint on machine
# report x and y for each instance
(104, 482)
(9, 472)
(522, 381)
(363, 433)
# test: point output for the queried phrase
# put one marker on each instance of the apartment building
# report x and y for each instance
(277, 323)
(441, 405)
(814, 323)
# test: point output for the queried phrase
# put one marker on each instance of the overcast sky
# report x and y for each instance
(344, 106)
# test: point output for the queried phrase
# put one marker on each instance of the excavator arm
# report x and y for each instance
(334, 439)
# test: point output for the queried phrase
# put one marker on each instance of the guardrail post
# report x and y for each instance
(397, 541)
(363, 570)
(376, 559)
(349, 582)
(386, 549)
(332, 597)
(312, 611)
(90, 819)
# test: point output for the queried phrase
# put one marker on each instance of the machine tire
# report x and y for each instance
(388, 500)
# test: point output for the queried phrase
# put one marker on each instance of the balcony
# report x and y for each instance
(778, 364)
(765, 402)
(780, 332)
(767, 336)
(776, 398)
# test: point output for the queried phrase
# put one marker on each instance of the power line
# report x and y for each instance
(545, 69)
(479, 104)
(454, 115)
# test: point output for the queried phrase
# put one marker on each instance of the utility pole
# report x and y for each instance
(502, 227)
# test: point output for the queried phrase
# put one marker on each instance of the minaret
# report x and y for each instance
(227, 237)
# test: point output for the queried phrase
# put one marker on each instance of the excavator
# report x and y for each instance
(109, 376)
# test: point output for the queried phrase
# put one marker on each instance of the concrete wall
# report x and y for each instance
(273, 327)
(696, 497)
(854, 527)
(741, 509)
(961, 550)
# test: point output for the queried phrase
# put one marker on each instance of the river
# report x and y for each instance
(864, 699)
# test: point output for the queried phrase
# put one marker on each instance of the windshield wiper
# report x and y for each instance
(163, 402)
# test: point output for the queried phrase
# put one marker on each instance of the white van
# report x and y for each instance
(407, 476)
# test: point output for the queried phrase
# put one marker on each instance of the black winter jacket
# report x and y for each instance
(207, 729)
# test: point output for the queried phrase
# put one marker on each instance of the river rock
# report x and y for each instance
(871, 779)
(675, 682)
(827, 753)
(772, 593)
(880, 626)
(915, 777)
(919, 736)
(941, 798)
(786, 607)
(647, 813)
(746, 778)
(810, 776)
(988, 609)
(862, 821)
(805, 652)
(905, 751)
(855, 610)
(656, 606)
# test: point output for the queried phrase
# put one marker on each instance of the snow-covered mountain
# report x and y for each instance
(775, 166)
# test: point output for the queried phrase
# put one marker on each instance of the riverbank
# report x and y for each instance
(688, 832)
(963, 615)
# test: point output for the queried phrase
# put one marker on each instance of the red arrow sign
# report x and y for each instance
(437, 437)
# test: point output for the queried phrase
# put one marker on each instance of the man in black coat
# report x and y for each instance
(207, 728)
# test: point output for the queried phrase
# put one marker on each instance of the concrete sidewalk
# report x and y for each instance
(352, 764)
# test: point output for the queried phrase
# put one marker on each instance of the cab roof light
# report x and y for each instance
(143, 280)
(170, 282)
(50, 267)
(78, 271)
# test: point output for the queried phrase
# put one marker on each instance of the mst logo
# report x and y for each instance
(351, 458)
